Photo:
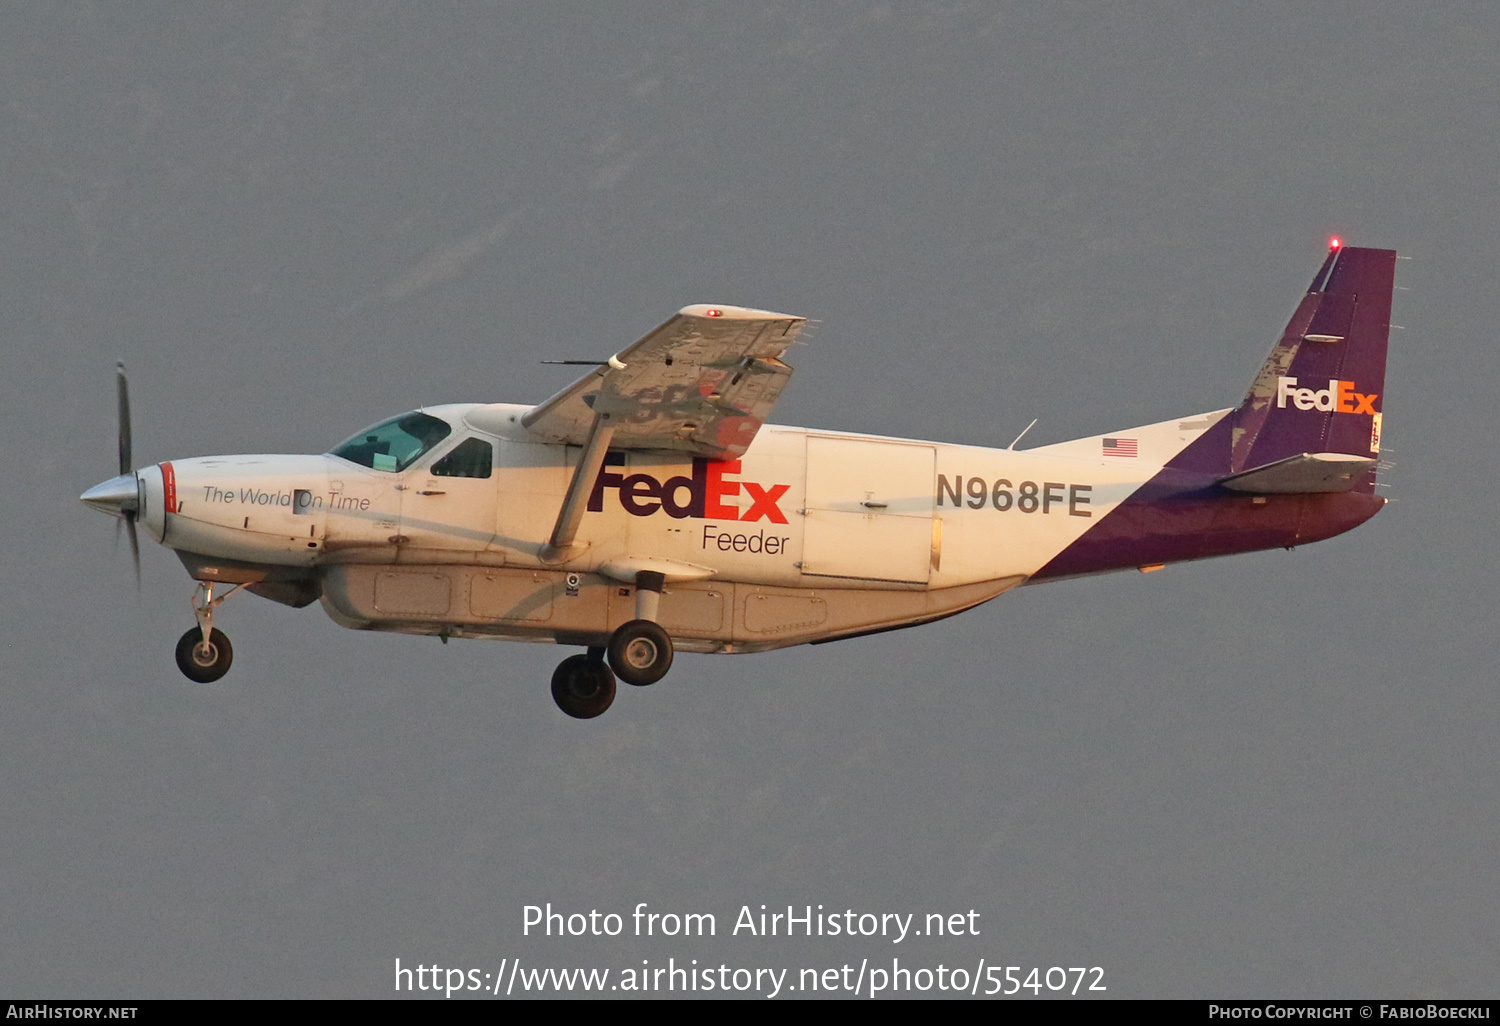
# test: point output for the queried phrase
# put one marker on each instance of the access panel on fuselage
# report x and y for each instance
(869, 509)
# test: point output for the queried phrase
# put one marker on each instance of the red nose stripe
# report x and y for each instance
(169, 486)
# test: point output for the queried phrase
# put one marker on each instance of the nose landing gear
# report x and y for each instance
(204, 653)
(203, 662)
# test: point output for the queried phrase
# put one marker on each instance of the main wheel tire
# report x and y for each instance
(204, 667)
(640, 652)
(582, 687)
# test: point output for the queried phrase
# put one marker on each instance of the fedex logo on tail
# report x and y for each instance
(1338, 397)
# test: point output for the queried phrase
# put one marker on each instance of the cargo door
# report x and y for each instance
(869, 509)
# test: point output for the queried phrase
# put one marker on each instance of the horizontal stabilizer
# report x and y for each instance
(1300, 475)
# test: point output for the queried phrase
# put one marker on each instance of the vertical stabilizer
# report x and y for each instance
(1321, 389)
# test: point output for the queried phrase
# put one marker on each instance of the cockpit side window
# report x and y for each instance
(472, 457)
(394, 444)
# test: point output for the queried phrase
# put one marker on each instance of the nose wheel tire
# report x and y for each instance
(640, 652)
(582, 687)
(204, 664)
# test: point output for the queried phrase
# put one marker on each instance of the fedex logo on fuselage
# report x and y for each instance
(700, 495)
(1338, 397)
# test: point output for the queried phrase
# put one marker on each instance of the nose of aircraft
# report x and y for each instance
(117, 496)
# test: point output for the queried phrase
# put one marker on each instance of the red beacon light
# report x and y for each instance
(1335, 242)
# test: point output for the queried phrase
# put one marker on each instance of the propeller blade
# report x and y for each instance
(126, 456)
(135, 548)
(119, 495)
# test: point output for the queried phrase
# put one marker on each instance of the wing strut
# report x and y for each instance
(576, 499)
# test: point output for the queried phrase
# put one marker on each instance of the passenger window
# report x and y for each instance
(472, 458)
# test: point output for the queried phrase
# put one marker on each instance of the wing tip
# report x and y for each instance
(720, 311)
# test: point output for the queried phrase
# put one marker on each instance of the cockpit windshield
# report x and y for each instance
(396, 443)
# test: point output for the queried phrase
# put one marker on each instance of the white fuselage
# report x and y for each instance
(811, 534)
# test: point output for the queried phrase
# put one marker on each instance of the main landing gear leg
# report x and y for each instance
(204, 653)
(640, 651)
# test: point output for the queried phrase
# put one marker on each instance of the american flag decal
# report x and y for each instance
(1120, 447)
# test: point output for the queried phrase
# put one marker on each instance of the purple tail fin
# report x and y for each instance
(1321, 388)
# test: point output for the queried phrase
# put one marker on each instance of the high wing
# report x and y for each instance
(704, 382)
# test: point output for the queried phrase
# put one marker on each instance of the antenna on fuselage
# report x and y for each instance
(1022, 435)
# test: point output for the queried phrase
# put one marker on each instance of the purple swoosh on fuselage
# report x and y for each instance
(1182, 513)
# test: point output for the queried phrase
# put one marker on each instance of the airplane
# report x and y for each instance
(648, 508)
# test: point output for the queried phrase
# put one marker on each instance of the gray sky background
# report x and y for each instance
(1272, 775)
